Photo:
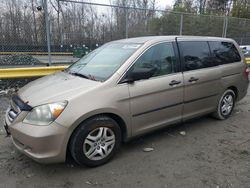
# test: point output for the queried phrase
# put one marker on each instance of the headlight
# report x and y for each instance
(45, 114)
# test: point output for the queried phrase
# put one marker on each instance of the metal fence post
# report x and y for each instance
(225, 33)
(223, 29)
(225, 23)
(181, 24)
(126, 22)
(45, 4)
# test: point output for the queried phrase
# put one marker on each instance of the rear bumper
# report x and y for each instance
(243, 90)
(241, 95)
(44, 144)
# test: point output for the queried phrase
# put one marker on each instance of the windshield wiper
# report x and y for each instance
(90, 77)
(79, 74)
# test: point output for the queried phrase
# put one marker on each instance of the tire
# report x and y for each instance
(95, 141)
(226, 105)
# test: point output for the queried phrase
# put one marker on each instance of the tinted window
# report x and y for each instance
(224, 52)
(161, 57)
(196, 55)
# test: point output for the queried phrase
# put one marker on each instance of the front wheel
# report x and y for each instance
(225, 105)
(95, 141)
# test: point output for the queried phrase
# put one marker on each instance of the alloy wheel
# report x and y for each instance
(227, 104)
(99, 143)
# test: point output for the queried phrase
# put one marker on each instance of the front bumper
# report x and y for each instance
(44, 144)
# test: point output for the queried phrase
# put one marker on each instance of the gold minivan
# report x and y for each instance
(123, 89)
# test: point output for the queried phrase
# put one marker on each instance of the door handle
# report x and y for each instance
(193, 79)
(174, 82)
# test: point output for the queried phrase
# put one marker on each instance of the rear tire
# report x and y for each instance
(95, 141)
(226, 105)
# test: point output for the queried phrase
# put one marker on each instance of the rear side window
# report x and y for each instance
(196, 55)
(224, 52)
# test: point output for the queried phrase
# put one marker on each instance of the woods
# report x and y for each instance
(22, 23)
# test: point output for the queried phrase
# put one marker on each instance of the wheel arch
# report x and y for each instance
(235, 90)
(119, 120)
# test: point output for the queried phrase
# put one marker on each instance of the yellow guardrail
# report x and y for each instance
(36, 53)
(248, 60)
(29, 71)
(37, 71)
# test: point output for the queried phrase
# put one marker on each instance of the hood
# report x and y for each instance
(55, 87)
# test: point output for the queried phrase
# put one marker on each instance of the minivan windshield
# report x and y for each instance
(103, 62)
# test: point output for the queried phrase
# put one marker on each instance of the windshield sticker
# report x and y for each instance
(131, 46)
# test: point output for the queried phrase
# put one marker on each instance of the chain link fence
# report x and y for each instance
(75, 28)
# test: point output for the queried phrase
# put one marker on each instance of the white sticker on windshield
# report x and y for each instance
(133, 46)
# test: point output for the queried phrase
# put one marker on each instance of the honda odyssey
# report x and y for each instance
(123, 89)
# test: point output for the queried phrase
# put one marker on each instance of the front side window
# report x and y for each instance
(196, 55)
(161, 57)
(224, 52)
(103, 62)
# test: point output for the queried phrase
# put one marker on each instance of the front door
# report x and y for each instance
(156, 101)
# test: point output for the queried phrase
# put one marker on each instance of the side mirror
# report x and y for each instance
(138, 74)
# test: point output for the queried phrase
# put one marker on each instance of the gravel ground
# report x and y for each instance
(8, 85)
(207, 153)
(18, 59)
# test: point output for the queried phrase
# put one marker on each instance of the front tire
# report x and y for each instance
(95, 141)
(226, 105)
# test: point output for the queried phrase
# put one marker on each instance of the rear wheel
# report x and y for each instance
(225, 105)
(95, 141)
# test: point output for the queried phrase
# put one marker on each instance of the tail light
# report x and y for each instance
(247, 72)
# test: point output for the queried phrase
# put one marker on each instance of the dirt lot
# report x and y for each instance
(212, 154)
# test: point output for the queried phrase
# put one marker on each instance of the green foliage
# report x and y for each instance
(168, 24)
(241, 9)
(184, 6)
(202, 25)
